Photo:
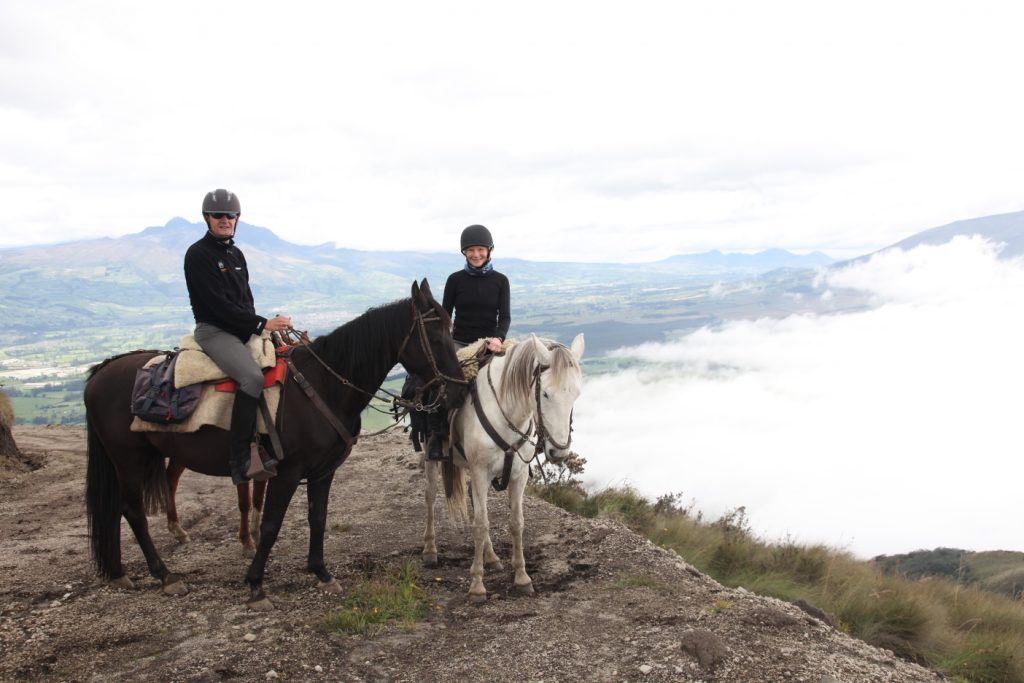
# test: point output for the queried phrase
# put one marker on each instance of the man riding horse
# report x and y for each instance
(217, 278)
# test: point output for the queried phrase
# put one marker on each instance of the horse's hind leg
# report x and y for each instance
(133, 509)
(174, 472)
(429, 534)
(244, 507)
(318, 492)
(522, 581)
(259, 494)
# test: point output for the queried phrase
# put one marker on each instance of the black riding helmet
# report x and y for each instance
(222, 201)
(477, 236)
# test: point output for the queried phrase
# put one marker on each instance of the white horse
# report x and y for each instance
(533, 386)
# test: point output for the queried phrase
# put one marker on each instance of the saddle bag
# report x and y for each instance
(156, 399)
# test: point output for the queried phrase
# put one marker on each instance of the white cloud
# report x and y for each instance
(881, 431)
(733, 125)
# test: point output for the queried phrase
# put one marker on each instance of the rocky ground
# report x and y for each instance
(609, 606)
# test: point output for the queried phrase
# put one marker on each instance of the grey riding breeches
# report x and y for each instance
(232, 357)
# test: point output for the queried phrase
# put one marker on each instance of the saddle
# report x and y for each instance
(217, 395)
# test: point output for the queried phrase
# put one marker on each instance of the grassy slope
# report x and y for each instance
(962, 631)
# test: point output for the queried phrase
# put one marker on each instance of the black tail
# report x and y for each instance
(103, 507)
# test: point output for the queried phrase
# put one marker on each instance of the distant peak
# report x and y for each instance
(177, 222)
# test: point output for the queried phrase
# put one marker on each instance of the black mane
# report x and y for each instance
(372, 338)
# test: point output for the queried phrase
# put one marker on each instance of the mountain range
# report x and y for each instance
(137, 281)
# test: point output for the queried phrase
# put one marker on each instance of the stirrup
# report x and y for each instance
(261, 466)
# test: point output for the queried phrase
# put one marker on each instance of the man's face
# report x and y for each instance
(222, 225)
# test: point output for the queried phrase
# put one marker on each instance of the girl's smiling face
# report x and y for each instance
(476, 255)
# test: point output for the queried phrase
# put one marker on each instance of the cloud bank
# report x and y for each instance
(687, 126)
(879, 432)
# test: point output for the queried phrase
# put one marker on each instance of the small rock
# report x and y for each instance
(319, 669)
(646, 669)
(249, 637)
(271, 675)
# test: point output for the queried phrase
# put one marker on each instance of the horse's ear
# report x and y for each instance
(425, 288)
(577, 346)
(542, 352)
(416, 296)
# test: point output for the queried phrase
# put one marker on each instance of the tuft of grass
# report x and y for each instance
(396, 597)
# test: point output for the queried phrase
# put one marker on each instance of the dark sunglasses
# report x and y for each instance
(218, 216)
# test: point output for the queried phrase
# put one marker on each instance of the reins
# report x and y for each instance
(419, 322)
(512, 450)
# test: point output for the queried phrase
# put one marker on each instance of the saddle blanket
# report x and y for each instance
(214, 409)
(216, 400)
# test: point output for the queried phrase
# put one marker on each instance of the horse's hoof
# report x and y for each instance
(180, 535)
(430, 559)
(122, 583)
(525, 589)
(494, 566)
(332, 587)
(477, 598)
(248, 552)
(174, 586)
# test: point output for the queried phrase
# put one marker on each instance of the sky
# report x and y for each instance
(876, 432)
(582, 131)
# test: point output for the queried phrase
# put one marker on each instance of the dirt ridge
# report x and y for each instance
(610, 606)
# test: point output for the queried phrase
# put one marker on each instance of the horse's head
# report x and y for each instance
(430, 351)
(558, 384)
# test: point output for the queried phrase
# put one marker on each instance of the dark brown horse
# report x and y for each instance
(125, 474)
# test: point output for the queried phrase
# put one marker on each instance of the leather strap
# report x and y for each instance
(310, 392)
(510, 450)
(275, 440)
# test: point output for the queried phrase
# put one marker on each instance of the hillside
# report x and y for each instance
(999, 571)
(609, 606)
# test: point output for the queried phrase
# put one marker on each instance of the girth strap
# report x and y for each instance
(310, 392)
(275, 440)
(510, 450)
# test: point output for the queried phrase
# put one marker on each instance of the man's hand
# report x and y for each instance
(494, 344)
(278, 323)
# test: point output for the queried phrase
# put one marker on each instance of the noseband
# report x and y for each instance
(419, 323)
(542, 431)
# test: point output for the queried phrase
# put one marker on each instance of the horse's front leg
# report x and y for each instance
(430, 468)
(318, 492)
(517, 486)
(282, 489)
(481, 535)
(174, 472)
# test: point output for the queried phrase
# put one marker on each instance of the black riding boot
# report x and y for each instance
(243, 430)
(438, 421)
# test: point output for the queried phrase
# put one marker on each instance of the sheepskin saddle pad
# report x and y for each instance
(469, 356)
(217, 397)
